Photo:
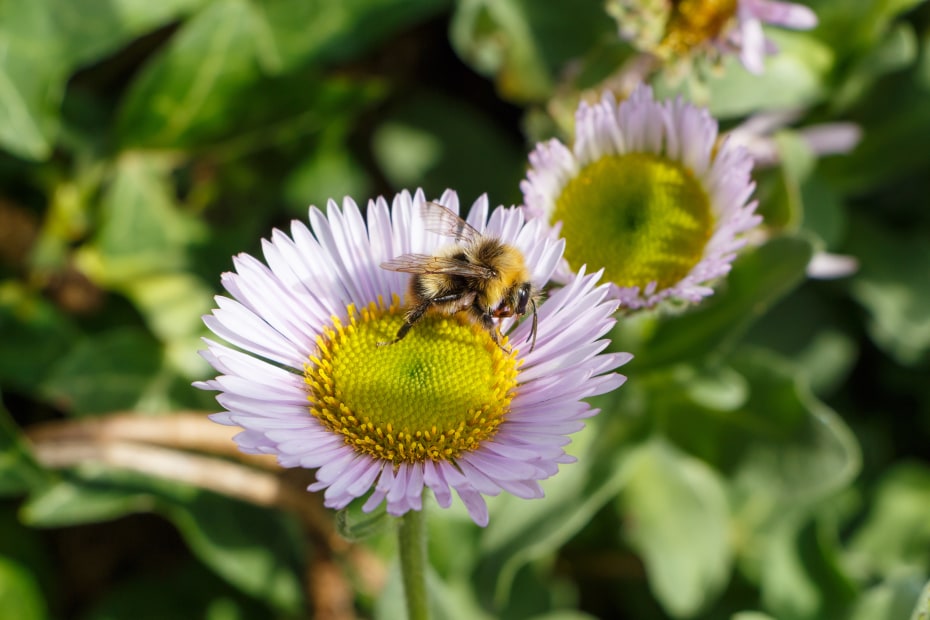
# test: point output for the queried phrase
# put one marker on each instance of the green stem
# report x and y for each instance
(411, 539)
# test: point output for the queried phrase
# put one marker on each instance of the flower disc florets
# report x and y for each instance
(441, 392)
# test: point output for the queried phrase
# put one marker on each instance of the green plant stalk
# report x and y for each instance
(411, 540)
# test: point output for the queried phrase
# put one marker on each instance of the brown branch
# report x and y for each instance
(187, 430)
(252, 485)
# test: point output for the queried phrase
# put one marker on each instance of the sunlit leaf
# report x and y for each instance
(141, 227)
(802, 576)
(20, 595)
(896, 533)
(891, 599)
(795, 77)
(33, 76)
(179, 99)
(678, 519)
(922, 608)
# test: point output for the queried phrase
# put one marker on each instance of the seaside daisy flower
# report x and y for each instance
(678, 30)
(308, 375)
(649, 193)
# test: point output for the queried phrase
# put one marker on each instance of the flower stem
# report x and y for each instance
(411, 539)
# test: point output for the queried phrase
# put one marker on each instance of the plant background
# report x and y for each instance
(766, 459)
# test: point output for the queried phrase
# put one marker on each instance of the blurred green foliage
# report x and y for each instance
(767, 458)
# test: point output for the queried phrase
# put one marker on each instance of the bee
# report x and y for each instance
(477, 274)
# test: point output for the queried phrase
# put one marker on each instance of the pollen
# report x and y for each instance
(440, 392)
(639, 216)
(695, 22)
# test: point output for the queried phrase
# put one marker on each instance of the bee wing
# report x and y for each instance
(446, 265)
(442, 221)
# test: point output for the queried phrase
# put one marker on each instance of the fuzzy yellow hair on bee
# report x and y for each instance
(478, 274)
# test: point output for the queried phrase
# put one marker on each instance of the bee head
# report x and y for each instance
(524, 294)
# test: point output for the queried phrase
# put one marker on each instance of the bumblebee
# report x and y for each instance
(477, 274)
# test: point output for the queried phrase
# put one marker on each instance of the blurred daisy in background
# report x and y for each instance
(445, 408)
(648, 193)
(678, 31)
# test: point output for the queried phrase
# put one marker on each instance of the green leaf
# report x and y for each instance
(111, 372)
(521, 531)
(172, 303)
(32, 80)
(257, 550)
(757, 281)
(19, 471)
(803, 451)
(855, 25)
(435, 142)
(793, 78)
(34, 334)
(891, 599)
(20, 595)
(751, 615)
(141, 227)
(355, 525)
(251, 82)
(330, 172)
(525, 44)
(802, 577)
(293, 32)
(922, 608)
(90, 496)
(797, 163)
(188, 85)
(186, 591)
(72, 34)
(679, 522)
(896, 532)
(892, 286)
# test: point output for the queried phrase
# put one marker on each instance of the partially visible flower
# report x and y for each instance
(827, 266)
(678, 30)
(756, 135)
(648, 193)
(445, 408)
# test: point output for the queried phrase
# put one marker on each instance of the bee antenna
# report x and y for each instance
(535, 325)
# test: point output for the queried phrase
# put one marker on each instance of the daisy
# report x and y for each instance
(679, 30)
(649, 194)
(446, 408)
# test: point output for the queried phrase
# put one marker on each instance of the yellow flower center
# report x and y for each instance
(641, 217)
(694, 22)
(441, 391)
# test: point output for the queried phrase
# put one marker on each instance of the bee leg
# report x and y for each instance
(486, 319)
(416, 313)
